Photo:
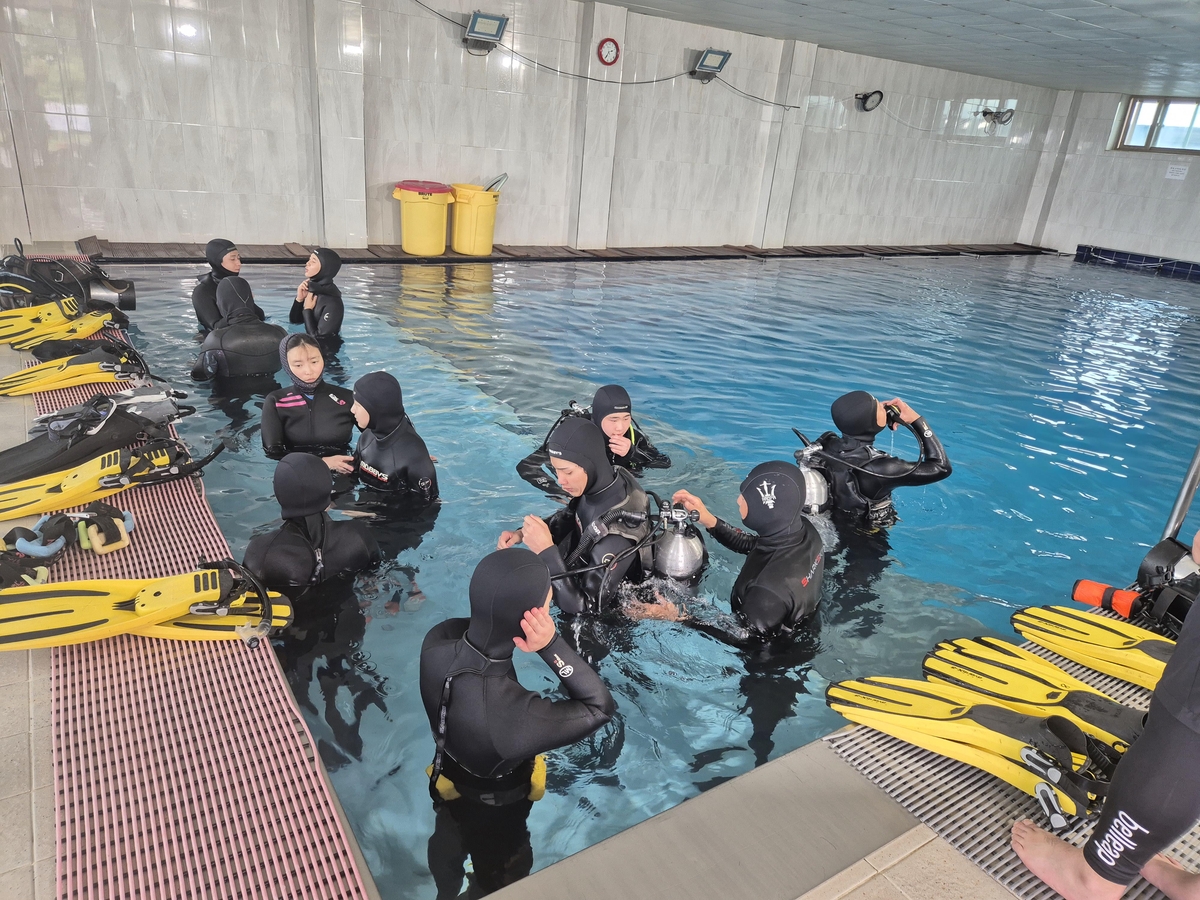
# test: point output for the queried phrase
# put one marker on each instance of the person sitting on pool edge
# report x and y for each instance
(628, 446)
(223, 260)
(779, 585)
(318, 303)
(240, 343)
(390, 456)
(488, 730)
(863, 477)
(310, 416)
(309, 547)
(1153, 798)
(599, 539)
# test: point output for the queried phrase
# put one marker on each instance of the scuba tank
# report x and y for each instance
(817, 495)
(680, 552)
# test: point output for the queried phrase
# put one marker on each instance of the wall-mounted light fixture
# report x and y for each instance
(710, 64)
(484, 31)
(868, 100)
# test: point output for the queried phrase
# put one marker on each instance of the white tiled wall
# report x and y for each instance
(1122, 199)
(291, 120)
(904, 173)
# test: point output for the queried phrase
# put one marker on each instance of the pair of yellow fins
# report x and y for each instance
(224, 602)
(1002, 709)
(155, 462)
(106, 364)
(61, 319)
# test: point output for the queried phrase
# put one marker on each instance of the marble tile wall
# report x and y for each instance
(690, 156)
(12, 198)
(916, 170)
(436, 112)
(162, 120)
(1122, 199)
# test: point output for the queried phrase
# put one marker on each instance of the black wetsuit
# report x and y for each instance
(320, 423)
(325, 319)
(390, 457)
(489, 728)
(310, 547)
(1154, 797)
(779, 585)
(241, 343)
(204, 294)
(580, 442)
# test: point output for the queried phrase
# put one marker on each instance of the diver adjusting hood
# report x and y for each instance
(506, 584)
(233, 294)
(580, 442)
(331, 264)
(303, 486)
(774, 495)
(214, 253)
(856, 416)
(380, 395)
(612, 398)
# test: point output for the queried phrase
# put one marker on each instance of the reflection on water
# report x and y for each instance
(1064, 396)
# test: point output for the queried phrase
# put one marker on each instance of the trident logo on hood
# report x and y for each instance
(766, 492)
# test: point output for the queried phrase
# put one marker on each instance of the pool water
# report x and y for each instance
(1064, 395)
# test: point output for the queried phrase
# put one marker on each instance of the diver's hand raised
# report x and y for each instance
(620, 445)
(692, 503)
(509, 539)
(536, 534)
(539, 630)
(908, 415)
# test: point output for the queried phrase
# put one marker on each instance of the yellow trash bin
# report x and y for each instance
(474, 220)
(423, 216)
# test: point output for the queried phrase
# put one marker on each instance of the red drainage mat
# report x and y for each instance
(183, 768)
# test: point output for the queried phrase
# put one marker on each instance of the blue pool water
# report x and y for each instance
(1064, 395)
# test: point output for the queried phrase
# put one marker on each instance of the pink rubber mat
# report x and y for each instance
(183, 769)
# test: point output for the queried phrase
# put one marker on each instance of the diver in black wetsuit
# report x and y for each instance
(779, 585)
(310, 416)
(318, 303)
(224, 260)
(600, 538)
(390, 457)
(489, 730)
(1153, 797)
(309, 548)
(241, 343)
(628, 446)
(862, 477)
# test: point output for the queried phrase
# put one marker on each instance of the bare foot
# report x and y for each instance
(1060, 865)
(1171, 878)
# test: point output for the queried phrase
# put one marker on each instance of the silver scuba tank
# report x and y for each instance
(680, 552)
(816, 485)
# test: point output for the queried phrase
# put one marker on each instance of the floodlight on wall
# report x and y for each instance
(484, 31)
(994, 117)
(868, 100)
(710, 64)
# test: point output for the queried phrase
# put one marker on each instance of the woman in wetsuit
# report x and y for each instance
(628, 446)
(600, 537)
(310, 547)
(310, 416)
(779, 585)
(223, 260)
(489, 730)
(240, 343)
(863, 477)
(390, 456)
(318, 303)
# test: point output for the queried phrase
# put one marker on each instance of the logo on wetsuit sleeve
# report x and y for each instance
(337, 400)
(766, 492)
(564, 670)
(816, 562)
(1120, 837)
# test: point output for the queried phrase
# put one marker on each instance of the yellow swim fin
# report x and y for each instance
(84, 326)
(103, 365)
(20, 323)
(245, 612)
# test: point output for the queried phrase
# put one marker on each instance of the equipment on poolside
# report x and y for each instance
(72, 612)
(105, 364)
(1025, 682)
(679, 552)
(243, 620)
(99, 527)
(1107, 645)
(1049, 758)
(29, 336)
(46, 277)
(156, 462)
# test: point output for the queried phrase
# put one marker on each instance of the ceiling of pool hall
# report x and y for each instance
(1127, 46)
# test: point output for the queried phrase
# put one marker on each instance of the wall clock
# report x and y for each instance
(609, 51)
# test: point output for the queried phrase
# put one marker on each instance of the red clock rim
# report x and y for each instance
(600, 56)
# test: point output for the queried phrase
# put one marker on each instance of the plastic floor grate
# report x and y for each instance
(974, 811)
(183, 769)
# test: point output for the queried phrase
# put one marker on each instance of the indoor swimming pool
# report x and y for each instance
(1064, 395)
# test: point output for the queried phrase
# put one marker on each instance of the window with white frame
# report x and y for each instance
(1162, 123)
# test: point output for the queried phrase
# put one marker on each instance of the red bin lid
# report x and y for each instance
(424, 187)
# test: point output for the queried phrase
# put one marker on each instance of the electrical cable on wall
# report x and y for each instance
(784, 106)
